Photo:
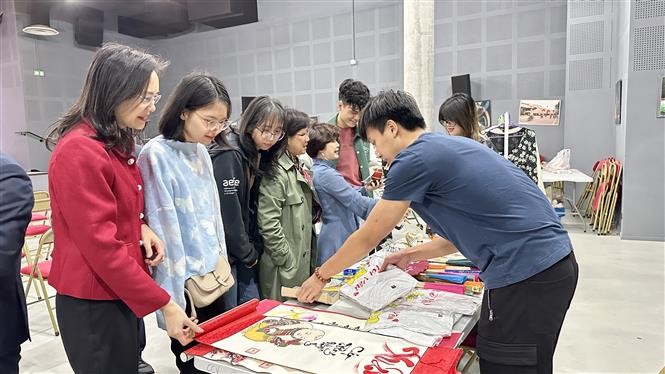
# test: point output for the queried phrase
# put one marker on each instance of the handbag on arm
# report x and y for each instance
(202, 290)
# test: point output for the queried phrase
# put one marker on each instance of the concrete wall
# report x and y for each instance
(620, 66)
(12, 111)
(512, 49)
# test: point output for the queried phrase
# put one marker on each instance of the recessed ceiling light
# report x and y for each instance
(40, 30)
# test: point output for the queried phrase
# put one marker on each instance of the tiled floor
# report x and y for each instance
(616, 323)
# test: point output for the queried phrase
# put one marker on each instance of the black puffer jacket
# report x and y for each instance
(237, 199)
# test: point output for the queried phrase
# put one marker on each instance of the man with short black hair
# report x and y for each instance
(481, 204)
(354, 155)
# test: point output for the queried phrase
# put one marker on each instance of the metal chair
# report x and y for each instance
(39, 270)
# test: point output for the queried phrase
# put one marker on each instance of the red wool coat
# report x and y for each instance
(97, 205)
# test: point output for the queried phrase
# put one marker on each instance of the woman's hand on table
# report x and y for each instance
(401, 259)
(310, 290)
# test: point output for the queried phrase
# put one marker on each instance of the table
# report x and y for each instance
(463, 326)
(569, 175)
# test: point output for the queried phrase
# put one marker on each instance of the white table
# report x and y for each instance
(569, 175)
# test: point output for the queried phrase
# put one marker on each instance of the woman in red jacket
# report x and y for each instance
(99, 268)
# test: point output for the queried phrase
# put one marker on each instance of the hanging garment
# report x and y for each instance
(523, 150)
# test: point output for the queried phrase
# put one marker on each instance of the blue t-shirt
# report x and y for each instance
(486, 206)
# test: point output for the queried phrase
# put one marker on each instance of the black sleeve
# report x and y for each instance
(16, 201)
(231, 184)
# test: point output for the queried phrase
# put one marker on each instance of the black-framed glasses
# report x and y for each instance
(145, 100)
(212, 124)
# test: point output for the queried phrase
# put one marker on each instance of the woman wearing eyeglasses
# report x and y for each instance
(181, 203)
(285, 214)
(99, 268)
(241, 156)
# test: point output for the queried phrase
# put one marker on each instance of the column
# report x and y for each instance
(419, 53)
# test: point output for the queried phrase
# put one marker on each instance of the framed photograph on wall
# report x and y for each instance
(484, 110)
(539, 112)
(617, 103)
(661, 102)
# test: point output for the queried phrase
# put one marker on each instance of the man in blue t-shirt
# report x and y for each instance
(482, 205)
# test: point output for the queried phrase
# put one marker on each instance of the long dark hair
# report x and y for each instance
(117, 73)
(461, 109)
(195, 90)
(260, 113)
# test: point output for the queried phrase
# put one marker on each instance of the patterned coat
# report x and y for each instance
(182, 208)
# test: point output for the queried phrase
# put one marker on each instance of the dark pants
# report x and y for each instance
(245, 287)
(9, 361)
(202, 314)
(141, 336)
(99, 336)
(519, 324)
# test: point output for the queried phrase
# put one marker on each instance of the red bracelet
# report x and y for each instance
(319, 277)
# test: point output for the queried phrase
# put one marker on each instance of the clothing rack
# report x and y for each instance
(506, 126)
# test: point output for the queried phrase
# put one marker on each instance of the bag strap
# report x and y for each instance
(192, 313)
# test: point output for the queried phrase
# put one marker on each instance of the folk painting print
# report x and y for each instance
(539, 112)
(484, 109)
(318, 348)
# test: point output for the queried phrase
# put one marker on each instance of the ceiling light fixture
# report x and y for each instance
(41, 30)
(40, 19)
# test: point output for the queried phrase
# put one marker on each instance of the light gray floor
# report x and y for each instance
(616, 322)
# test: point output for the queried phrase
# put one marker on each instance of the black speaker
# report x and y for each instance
(461, 83)
(89, 27)
(246, 100)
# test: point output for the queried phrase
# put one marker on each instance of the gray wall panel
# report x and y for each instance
(520, 51)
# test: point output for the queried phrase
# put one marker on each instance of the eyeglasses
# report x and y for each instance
(275, 136)
(211, 124)
(145, 100)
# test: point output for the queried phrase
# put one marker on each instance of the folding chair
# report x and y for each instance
(39, 270)
(41, 206)
(38, 215)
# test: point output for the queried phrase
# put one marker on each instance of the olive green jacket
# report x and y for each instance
(362, 150)
(285, 224)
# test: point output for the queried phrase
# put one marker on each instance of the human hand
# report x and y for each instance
(374, 184)
(154, 247)
(310, 290)
(178, 325)
(401, 259)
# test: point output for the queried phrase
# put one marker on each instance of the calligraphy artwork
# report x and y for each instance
(319, 348)
(209, 362)
(298, 312)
